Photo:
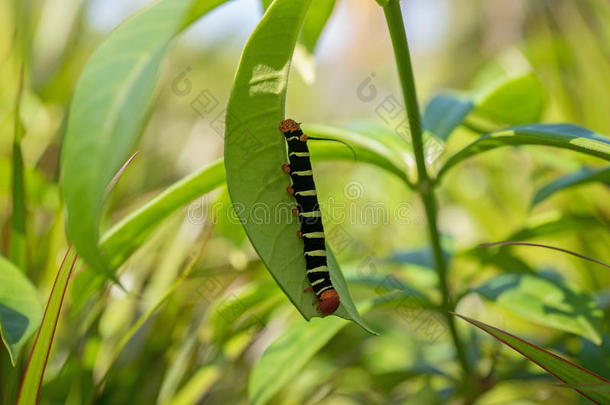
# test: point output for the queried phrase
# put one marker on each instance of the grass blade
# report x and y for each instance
(34, 373)
(18, 241)
(583, 176)
(558, 367)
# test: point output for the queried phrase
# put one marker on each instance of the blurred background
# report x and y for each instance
(191, 347)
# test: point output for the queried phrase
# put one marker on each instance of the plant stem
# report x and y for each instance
(394, 19)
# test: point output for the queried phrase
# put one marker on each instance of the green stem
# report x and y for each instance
(396, 27)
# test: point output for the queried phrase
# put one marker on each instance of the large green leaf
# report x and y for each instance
(560, 368)
(512, 100)
(111, 103)
(255, 150)
(32, 380)
(583, 176)
(566, 136)
(20, 308)
(508, 100)
(545, 302)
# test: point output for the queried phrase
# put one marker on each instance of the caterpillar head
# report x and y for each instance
(329, 302)
(289, 125)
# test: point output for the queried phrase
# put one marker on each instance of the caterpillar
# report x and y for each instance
(303, 189)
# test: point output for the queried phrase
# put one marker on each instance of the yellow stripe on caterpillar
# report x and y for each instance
(324, 289)
(315, 253)
(299, 154)
(311, 214)
(303, 173)
(312, 235)
(318, 269)
(306, 193)
(321, 280)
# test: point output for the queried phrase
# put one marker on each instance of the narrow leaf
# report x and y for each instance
(558, 367)
(20, 308)
(583, 176)
(197, 386)
(34, 373)
(120, 241)
(255, 150)
(288, 354)
(545, 302)
(445, 112)
(314, 23)
(111, 103)
(566, 136)
(18, 248)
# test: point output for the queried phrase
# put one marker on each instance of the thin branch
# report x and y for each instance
(513, 243)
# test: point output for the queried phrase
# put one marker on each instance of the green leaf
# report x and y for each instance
(288, 354)
(315, 21)
(558, 367)
(445, 112)
(566, 136)
(557, 222)
(32, 380)
(20, 308)
(317, 16)
(197, 386)
(120, 241)
(586, 175)
(545, 302)
(508, 100)
(255, 150)
(423, 257)
(111, 103)
(18, 244)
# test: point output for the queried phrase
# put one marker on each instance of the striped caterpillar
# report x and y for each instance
(303, 189)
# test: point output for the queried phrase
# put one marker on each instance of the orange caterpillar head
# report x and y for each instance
(289, 126)
(329, 302)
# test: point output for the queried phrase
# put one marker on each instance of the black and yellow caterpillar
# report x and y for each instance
(303, 189)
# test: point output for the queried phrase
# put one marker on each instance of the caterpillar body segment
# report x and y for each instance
(303, 189)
